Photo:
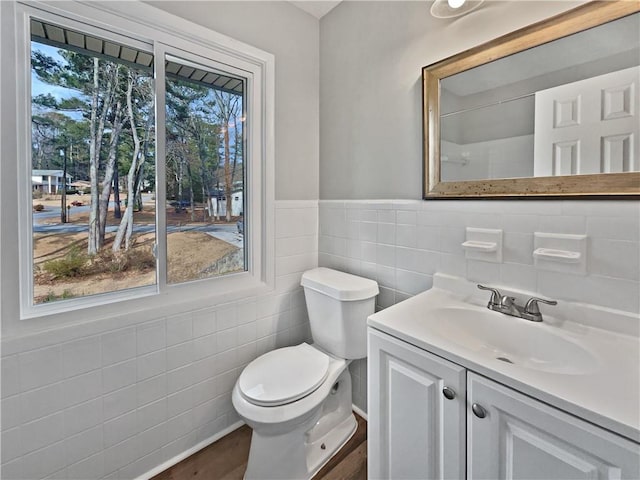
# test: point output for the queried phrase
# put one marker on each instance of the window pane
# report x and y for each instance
(204, 172)
(93, 167)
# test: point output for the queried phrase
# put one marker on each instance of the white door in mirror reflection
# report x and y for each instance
(590, 126)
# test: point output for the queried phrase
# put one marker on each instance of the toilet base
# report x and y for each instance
(333, 441)
(302, 452)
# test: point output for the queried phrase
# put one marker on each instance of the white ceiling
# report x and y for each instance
(581, 48)
(317, 8)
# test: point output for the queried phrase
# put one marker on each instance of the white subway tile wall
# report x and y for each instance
(401, 244)
(119, 404)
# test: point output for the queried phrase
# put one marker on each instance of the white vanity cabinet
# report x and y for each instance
(418, 428)
(486, 431)
(522, 438)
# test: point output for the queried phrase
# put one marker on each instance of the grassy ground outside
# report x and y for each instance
(189, 254)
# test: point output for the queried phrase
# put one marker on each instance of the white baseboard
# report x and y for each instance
(359, 411)
(178, 458)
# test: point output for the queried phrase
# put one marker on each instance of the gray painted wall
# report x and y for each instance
(292, 36)
(371, 56)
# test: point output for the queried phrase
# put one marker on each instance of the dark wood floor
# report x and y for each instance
(226, 459)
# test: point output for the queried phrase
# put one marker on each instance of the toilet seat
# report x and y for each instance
(284, 375)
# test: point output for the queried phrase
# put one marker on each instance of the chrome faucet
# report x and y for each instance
(507, 305)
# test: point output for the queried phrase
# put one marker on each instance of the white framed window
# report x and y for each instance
(160, 147)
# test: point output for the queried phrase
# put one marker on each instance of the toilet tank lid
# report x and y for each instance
(339, 285)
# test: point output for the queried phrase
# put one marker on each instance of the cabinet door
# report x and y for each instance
(415, 432)
(523, 438)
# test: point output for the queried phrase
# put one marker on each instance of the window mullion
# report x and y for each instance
(161, 189)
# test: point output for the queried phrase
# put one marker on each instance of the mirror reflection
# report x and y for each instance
(568, 107)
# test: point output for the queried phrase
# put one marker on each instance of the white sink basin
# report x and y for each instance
(512, 340)
(566, 361)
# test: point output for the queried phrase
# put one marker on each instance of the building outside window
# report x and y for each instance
(48, 181)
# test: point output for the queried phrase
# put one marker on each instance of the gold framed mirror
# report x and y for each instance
(550, 110)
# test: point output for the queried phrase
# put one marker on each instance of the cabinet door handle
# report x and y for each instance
(478, 410)
(449, 393)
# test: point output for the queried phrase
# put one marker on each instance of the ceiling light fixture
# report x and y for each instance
(454, 8)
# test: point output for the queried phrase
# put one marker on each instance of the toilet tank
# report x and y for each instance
(338, 304)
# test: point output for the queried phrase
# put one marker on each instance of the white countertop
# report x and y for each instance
(607, 395)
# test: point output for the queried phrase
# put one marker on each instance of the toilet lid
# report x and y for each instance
(283, 375)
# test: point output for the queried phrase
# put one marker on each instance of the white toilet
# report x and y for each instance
(297, 399)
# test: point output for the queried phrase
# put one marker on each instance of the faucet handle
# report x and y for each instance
(495, 295)
(532, 305)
